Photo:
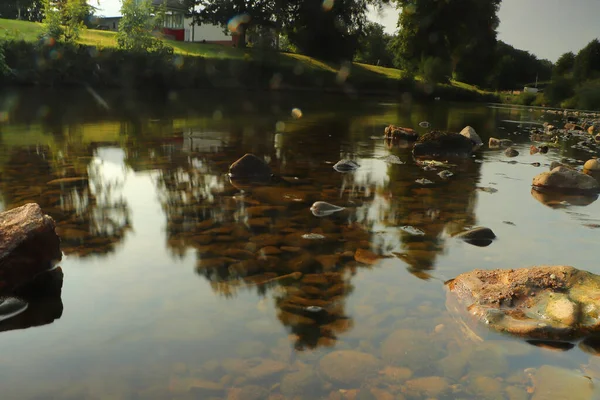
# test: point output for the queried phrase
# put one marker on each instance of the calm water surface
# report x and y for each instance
(180, 285)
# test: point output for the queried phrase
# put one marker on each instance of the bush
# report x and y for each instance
(560, 89)
(588, 96)
(435, 70)
(525, 99)
(136, 26)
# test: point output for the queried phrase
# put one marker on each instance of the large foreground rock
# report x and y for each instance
(250, 167)
(443, 144)
(550, 302)
(28, 246)
(470, 133)
(564, 179)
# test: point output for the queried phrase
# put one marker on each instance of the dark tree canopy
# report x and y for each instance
(515, 68)
(587, 62)
(29, 10)
(373, 46)
(564, 64)
(459, 33)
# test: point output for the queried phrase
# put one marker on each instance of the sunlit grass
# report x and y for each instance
(30, 31)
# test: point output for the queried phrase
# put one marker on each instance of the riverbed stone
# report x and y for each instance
(552, 382)
(348, 367)
(304, 382)
(567, 180)
(29, 245)
(440, 144)
(480, 236)
(250, 166)
(409, 348)
(430, 386)
(592, 165)
(511, 152)
(545, 302)
(470, 133)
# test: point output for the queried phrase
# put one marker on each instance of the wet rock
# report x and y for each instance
(533, 150)
(28, 246)
(366, 257)
(323, 209)
(516, 393)
(409, 348)
(445, 174)
(480, 236)
(442, 144)
(11, 306)
(238, 254)
(266, 240)
(398, 133)
(472, 135)
(431, 386)
(510, 152)
(453, 366)
(565, 180)
(250, 166)
(304, 383)
(348, 367)
(485, 387)
(269, 251)
(547, 302)
(592, 165)
(494, 143)
(558, 383)
(346, 166)
(396, 374)
(248, 392)
(264, 369)
(204, 388)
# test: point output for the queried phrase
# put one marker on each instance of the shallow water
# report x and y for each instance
(178, 284)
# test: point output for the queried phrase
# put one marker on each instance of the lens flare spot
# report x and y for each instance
(343, 74)
(327, 5)
(234, 23)
(296, 113)
(218, 115)
(3, 116)
(178, 62)
(280, 126)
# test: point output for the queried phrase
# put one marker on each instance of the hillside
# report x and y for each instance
(325, 75)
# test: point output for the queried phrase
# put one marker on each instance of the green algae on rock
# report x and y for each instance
(549, 302)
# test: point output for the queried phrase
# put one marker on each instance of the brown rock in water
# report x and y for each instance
(546, 302)
(366, 257)
(443, 144)
(510, 152)
(28, 246)
(480, 236)
(348, 366)
(399, 133)
(592, 165)
(250, 166)
(552, 382)
(566, 180)
(470, 133)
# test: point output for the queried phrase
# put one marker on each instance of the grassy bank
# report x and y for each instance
(96, 60)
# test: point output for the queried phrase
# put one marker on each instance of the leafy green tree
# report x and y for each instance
(515, 68)
(373, 46)
(28, 10)
(64, 19)
(564, 64)
(587, 62)
(461, 33)
(559, 90)
(53, 27)
(236, 15)
(136, 26)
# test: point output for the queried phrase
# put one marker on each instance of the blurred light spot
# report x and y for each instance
(55, 55)
(276, 81)
(248, 106)
(410, 9)
(3, 116)
(280, 126)
(43, 111)
(101, 102)
(278, 140)
(217, 115)
(296, 113)
(173, 95)
(343, 73)
(178, 62)
(234, 23)
(298, 69)
(327, 5)
(406, 97)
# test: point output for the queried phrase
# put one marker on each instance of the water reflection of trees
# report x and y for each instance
(91, 217)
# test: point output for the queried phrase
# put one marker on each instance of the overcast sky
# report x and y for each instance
(546, 28)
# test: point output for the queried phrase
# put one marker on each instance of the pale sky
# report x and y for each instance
(546, 28)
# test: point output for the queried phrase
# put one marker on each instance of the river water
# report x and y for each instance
(179, 284)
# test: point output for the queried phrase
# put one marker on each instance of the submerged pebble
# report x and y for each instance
(346, 166)
(424, 181)
(424, 124)
(322, 209)
(412, 230)
(313, 236)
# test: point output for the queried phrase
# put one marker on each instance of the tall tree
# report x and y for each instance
(459, 33)
(587, 62)
(28, 10)
(564, 64)
(373, 46)
(236, 15)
